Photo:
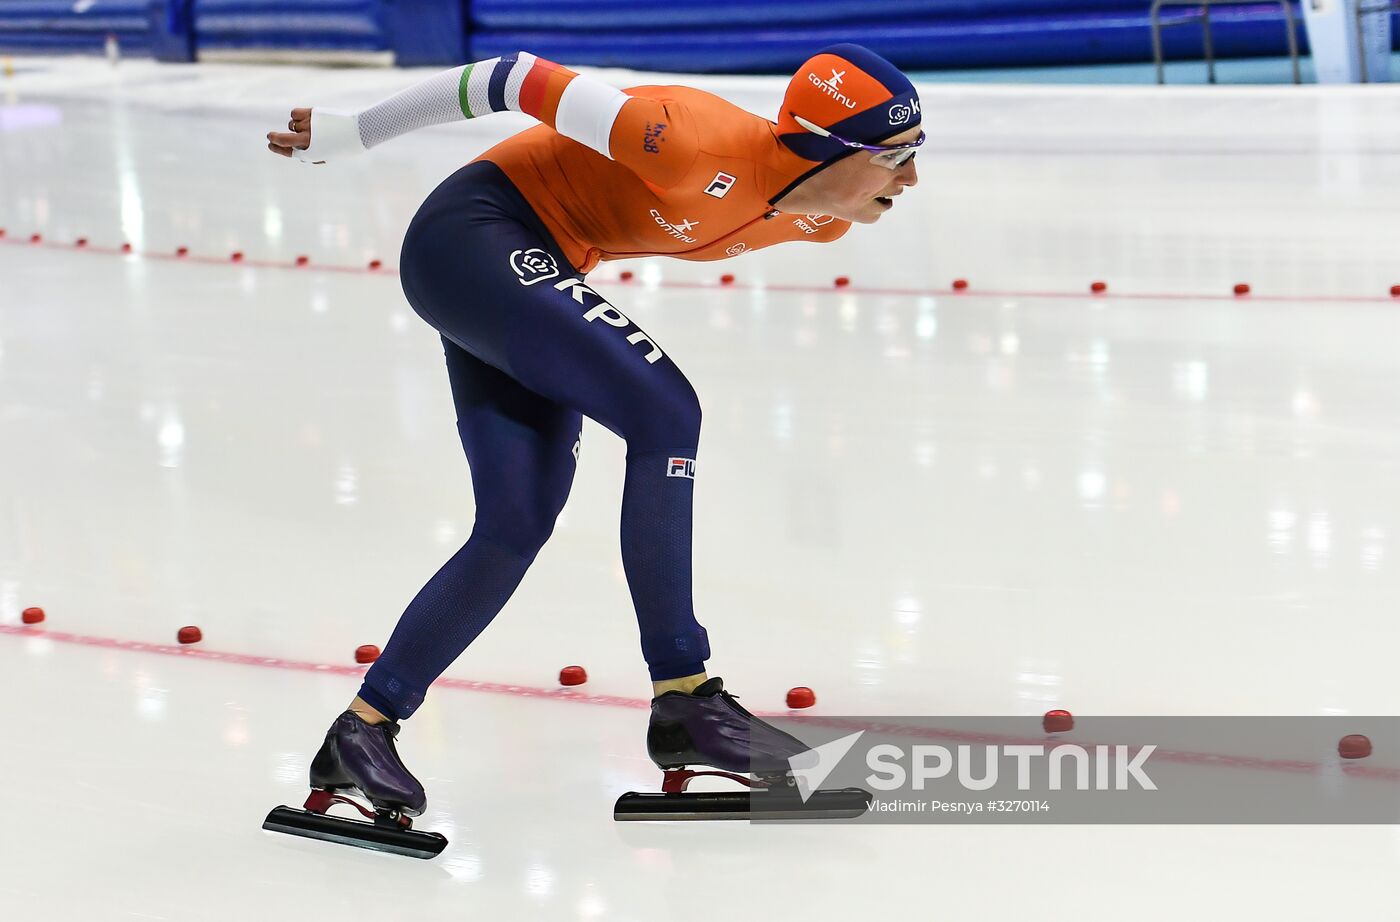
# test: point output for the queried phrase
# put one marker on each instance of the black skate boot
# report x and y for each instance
(359, 758)
(708, 727)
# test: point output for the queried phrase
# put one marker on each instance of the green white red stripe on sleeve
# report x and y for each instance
(578, 107)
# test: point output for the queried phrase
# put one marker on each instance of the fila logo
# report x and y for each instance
(736, 249)
(829, 87)
(609, 315)
(680, 467)
(721, 184)
(810, 223)
(679, 231)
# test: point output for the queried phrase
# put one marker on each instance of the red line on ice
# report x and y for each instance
(1289, 766)
(1227, 294)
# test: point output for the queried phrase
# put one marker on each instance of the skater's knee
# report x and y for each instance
(522, 538)
(672, 421)
(519, 510)
(520, 527)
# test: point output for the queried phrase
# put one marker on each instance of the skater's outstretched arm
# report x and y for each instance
(656, 138)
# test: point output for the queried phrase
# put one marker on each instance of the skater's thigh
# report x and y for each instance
(504, 293)
(568, 343)
(522, 449)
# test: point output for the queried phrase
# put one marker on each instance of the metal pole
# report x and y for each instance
(1293, 40)
(1210, 47)
(1157, 40)
(1360, 42)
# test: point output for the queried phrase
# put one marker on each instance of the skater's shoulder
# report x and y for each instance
(712, 115)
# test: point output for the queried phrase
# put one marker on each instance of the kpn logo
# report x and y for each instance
(1063, 766)
(902, 112)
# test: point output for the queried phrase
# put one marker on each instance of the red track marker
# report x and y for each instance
(1355, 746)
(801, 697)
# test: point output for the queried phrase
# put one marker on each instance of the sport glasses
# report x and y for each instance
(889, 156)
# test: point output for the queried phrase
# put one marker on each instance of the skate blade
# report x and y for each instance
(834, 804)
(358, 833)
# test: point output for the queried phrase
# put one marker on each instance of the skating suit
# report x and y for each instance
(495, 260)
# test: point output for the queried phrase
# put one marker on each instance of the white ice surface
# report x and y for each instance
(914, 502)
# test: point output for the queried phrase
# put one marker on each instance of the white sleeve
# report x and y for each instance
(578, 107)
(337, 133)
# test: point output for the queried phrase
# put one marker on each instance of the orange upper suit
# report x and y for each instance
(687, 175)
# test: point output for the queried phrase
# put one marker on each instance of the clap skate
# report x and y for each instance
(359, 758)
(709, 728)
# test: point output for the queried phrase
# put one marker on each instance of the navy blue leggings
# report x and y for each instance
(531, 349)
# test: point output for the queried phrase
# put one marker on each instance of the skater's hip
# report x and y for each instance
(476, 201)
(472, 252)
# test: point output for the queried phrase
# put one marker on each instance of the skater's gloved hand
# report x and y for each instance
(337, 135)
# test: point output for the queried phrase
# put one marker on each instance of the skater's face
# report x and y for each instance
(857, 188)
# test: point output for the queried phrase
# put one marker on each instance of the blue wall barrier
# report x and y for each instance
(171, 29)
(705, 36)
(742, 16)
(425, 32)
(341, 25)
(417, 31)
(43, 26)
(735, 36)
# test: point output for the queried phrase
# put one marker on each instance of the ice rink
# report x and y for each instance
(1163, 499)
